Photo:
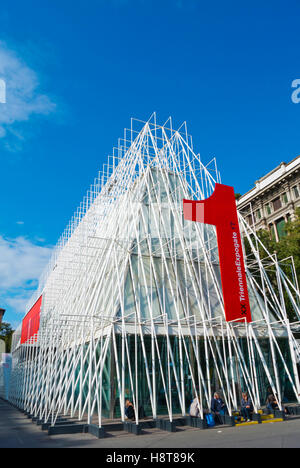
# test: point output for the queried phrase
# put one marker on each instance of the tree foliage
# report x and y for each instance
(6, 333)
(288, 246)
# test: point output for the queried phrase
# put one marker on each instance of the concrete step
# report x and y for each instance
(265, 417)
(245, 423)
(67, 429)
(274, 420)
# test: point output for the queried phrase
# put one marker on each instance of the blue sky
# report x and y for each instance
(77, 71)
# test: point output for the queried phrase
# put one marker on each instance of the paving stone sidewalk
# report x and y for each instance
(17, 431)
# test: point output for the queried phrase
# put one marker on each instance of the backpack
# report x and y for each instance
(210, 420)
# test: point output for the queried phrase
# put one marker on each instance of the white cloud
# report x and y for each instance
(23, 98)
(18, 303)
(21, 261)
(21, 264)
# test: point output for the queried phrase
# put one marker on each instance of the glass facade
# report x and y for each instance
(172, 374)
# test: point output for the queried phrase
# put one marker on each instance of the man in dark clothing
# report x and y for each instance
(218, 407)
(129, 410)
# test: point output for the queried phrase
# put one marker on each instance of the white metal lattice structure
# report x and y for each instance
(132, 300)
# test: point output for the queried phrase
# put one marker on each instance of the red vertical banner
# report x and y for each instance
(31, 322)
(220, 210)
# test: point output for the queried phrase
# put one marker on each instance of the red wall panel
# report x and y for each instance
(31, 322)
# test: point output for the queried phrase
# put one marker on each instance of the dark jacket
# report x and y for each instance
(245, 403)
(129, 411)
(217, 405)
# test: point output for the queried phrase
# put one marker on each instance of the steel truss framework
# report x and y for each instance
(132, 302)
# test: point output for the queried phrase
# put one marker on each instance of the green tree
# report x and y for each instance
(288, 246)
(6, 333)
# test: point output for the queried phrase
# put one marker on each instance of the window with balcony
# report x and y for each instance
(277, 204)
(284, 198)
(296, 191)
(250, 219)
(268, 209)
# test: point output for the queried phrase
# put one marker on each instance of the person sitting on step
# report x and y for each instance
(218, 407)
(129, 410)
(246, 407)
(272, 403)
(194, 408)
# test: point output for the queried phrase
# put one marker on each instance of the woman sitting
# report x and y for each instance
(194, 408)
(246, 407)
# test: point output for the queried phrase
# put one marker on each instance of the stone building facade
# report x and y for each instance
(274, 199)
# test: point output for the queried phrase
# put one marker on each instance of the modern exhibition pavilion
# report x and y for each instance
(133, 306)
